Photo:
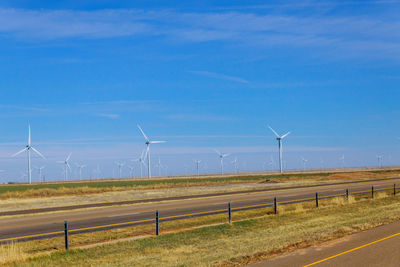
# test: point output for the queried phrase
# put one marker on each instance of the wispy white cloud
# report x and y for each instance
(23, 108)
(197, 117)
(109, 116)
(373, 33)
(220, 76)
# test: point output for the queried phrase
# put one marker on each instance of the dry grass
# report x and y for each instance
(12, 253)
(98, 187)
(244, 241)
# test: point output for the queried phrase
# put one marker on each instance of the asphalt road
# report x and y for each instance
(379, 246)
(12, 227)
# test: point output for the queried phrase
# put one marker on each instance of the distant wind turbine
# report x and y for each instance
(80, 167)
(140, 160)
(380, 160)
(304, 163)
(342, 160)
(197, 162)
(221, 157)
(131, 168)
(120, 165)
(235, 164)
(28, 150)
(40, 171)
(279, 138)
(66, 166)
(159, 166)
(148, 143)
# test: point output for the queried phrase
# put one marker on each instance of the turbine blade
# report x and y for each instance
(37, 152)
(283, 136)
(157, 142)
(19, 152)
(144, 135)
(216, 151)
(69, 167)
(29, 134)
(69, 156)
(277, 135)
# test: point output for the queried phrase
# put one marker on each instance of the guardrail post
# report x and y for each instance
(157, 223)
(372, 192)
(230, 212)
(394, 189)
(66, 235)
(316, 200)
(347, 193)
(275, 206)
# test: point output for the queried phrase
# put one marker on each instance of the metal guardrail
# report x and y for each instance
(157, 220)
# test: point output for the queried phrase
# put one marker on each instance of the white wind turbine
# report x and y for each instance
(140, 160)
(235, 165)
(120, 165)
(279, 138)
(66, 166)
(159, 166)
(342, 160)
(380, 160)
(304, 163)
(221, 157)
(197, 162)
(40, 171)
(131, 168)
(80, 167)
(148, 143)
(271, 162)
(28, 150)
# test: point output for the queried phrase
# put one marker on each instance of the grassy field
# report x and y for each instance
(245, 240)
(79, 188)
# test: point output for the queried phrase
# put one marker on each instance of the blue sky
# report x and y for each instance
(200, 76)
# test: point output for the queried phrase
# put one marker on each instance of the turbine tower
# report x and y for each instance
(40, 172)
(304, 163)
(120, 165)
(141, 163)
(221, 157)
(197, 162)
(380, 160)
(159, 166)
(131, 168)
(80, 167)
(279, 138)
(342, 160)
(28, 150)
(66, 166)
(148, 143)
(235, 164)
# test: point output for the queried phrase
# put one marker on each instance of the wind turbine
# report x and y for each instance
(141, 163)
(28, 150)
(131, 168)
(159, 166)
(304, 163)
(148, 143)
(221, 157)
(235, 164)
(40, 171)
(66, 166)
(342, 160)
(279, 138)
(197, 162)
(120, 165)
(80, 167)
(380, 159)
(271, 162)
